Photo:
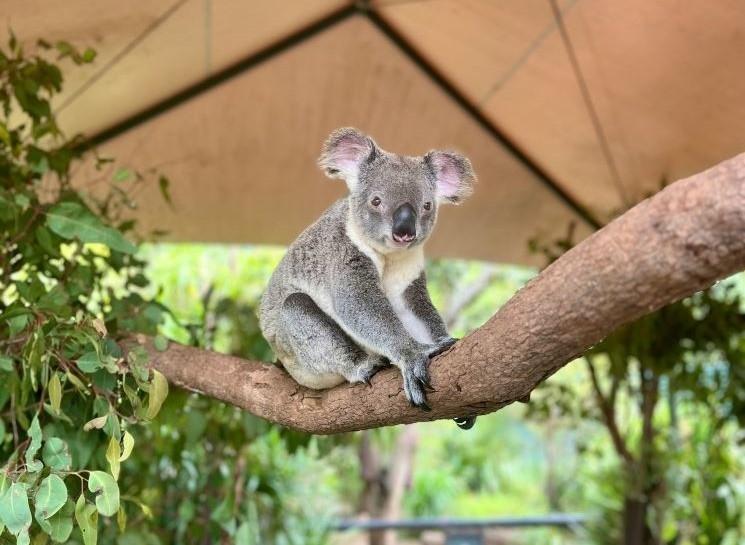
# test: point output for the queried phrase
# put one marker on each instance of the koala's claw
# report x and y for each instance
(414, 390)
(420, 370)
(367, 375)
(368, 369)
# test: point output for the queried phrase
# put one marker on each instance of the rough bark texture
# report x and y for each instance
(672, 245)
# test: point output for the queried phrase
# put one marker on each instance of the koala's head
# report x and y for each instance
(393, 198)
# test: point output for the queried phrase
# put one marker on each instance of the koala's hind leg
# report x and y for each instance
(316, 351)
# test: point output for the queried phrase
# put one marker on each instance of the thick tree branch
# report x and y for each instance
(672, 245)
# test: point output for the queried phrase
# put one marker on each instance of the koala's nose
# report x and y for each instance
(404, 223)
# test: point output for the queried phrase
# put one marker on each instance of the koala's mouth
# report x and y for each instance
(403, 239)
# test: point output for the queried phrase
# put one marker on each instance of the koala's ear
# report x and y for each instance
(344, 151)
(453, 173)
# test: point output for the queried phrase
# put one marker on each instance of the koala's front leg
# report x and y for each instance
(365, 313)
(418, 301)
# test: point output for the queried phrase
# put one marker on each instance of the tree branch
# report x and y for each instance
(607, 406)
(670, 246)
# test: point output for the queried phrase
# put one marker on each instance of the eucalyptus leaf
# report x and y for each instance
(106, 490)
(34, 433)
(50, 497)
(15, 513)
(72, 220)
(113, 453)
(96, 423)
(56, 454)
(6, 363)
(4, 485)
(128, 443)
(158, 394)
(86, 516)
(90, 362)
(54, 389)
(121, 519)
(59, 525)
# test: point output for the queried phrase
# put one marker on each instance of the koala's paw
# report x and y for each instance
(416, 379)
(368, 368)
(441, 345)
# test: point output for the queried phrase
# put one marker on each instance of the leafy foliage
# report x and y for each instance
(670, 390)
(70, 285)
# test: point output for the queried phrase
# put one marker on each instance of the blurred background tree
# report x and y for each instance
(670, 391)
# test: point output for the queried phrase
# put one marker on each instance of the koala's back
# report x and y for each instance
(310, 265)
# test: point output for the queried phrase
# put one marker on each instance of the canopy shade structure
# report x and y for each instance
(570, 110)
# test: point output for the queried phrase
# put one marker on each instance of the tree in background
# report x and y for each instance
(669, 389)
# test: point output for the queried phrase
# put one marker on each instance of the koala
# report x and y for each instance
(350, 295)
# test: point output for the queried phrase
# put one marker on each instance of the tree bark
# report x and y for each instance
(669, 246)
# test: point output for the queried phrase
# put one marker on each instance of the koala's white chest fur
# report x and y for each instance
(397, 271)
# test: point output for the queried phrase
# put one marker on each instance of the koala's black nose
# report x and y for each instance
(404, 223)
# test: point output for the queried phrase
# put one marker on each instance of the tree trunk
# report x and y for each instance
(672, 245)
(635, 522)
(399, 477)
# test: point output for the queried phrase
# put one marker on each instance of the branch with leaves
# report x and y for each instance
(69, 283)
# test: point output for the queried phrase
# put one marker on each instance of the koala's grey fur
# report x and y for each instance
(348, 297)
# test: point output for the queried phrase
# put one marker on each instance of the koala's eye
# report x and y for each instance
(375, 201)
(428, 205)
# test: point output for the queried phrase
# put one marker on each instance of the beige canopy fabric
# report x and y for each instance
(569, 109)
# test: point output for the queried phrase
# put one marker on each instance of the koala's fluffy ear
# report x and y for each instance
(344, 151)
(453, 174)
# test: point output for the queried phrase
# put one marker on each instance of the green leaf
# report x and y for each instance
(56, 300)
(160, 343)
(75, 381)
(90, 362)
(34, 433)
(45, 240)
(59, 525)
(87, 518)
(54, 388)
(158, 394)
(6, 363)
(23, 538)
(88, 55)
(50, 497)
(107, 498)
(121, 519)
(71, 220)
(4, 135)
(128, 443)
(4, 483)
(22, 200)
(15, 513)
(16, 324)
(56, 454)
(113, 453)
